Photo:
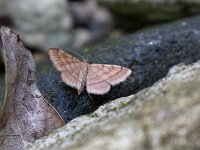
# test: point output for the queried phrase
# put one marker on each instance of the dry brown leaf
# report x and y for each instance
(25, 115)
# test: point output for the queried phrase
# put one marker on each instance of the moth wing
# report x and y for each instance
(100, 77)
(69, 66)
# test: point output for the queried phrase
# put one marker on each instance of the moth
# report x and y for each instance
(97, 78)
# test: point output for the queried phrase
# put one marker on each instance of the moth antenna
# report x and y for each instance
(84, 59)
(75, 53)
(90, 96)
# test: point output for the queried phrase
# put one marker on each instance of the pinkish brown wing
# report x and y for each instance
(100, 77)
(69, 66)
(62, 60)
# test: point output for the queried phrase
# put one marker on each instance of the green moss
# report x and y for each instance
(93, 115)
(122, 105)
(113, 109)
(86, 50)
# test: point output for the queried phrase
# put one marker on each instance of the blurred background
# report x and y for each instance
(80, 24)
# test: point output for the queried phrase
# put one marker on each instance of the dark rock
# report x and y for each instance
(149, 53)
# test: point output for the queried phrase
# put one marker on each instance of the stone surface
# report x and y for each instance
(133, 14)
(149, 53)
(164, 116)
(40, 24)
